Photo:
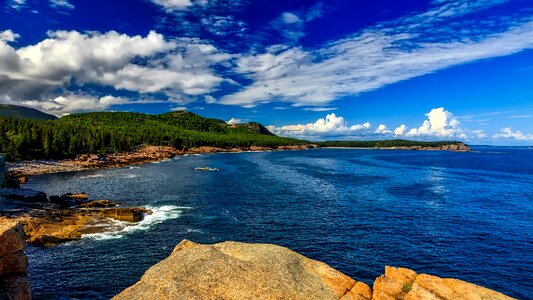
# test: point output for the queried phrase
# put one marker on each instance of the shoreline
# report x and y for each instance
(416, 148)
(146, 154)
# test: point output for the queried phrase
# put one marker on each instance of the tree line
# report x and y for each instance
(107, 132)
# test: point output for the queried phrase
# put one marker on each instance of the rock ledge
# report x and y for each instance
(232, 270)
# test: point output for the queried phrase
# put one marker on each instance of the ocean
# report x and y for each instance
(463, 215)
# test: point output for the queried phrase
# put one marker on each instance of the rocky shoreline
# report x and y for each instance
(49, 221)
(21, 170)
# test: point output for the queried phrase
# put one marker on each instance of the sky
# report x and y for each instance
(319, 70)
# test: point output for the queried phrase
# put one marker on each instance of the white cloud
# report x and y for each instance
(179, 69)
(508, 133)
(381, 55)
(400, 130)
(8, 36)
(290, 18)
(59, 4)
(67, 104)
(382, 128)
(329, 126)
(320, 108)
(210, 99)
(178, 108)
(234, 121)
(440, 123)
(173, 5)
(479, 134)
(17, 4)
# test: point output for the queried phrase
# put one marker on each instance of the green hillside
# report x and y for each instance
(106, 132)
(16, 111)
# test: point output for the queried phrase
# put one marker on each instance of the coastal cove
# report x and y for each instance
(357, 211)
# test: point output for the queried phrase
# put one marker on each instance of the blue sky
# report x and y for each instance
(427, 70)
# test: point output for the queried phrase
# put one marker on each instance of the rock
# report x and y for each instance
(99, 204)
(13, 263)
(233, 270)
(11, 183)
(401, 283)
(69, 199)
(23, 195)
(56, 226)
(79, 196)
(129, 214)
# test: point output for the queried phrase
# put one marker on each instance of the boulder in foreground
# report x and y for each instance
(402, 283)
(232, 270)
(13, 263)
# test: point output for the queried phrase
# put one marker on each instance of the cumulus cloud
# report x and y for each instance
(400, 130)
(8, 36)
(440, 123)
(377, 56)
(382, 128)
(508, 133)
(331, 125)
(178, 69)
(234, 121)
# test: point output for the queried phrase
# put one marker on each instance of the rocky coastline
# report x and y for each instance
(49, 221)
(21, 170)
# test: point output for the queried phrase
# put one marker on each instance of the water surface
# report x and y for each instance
(462, 215)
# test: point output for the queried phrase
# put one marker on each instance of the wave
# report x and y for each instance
(93, 176)
(131, 176)
(119, 229)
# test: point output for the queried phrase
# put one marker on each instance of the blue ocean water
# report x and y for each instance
(463, 215)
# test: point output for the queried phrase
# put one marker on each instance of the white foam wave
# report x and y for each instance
(93, 176)
(119, 229)
(131, 176)
(131, 168)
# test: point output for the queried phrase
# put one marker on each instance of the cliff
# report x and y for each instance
(13, 263)
(232, 270)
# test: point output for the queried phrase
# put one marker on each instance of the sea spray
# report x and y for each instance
(159, 215)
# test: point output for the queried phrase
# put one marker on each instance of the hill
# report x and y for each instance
(110, 132)
(23, 112)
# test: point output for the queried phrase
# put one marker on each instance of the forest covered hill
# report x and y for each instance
(106, 132)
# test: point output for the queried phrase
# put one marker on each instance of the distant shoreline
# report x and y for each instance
(146, 154)
(401, 148)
